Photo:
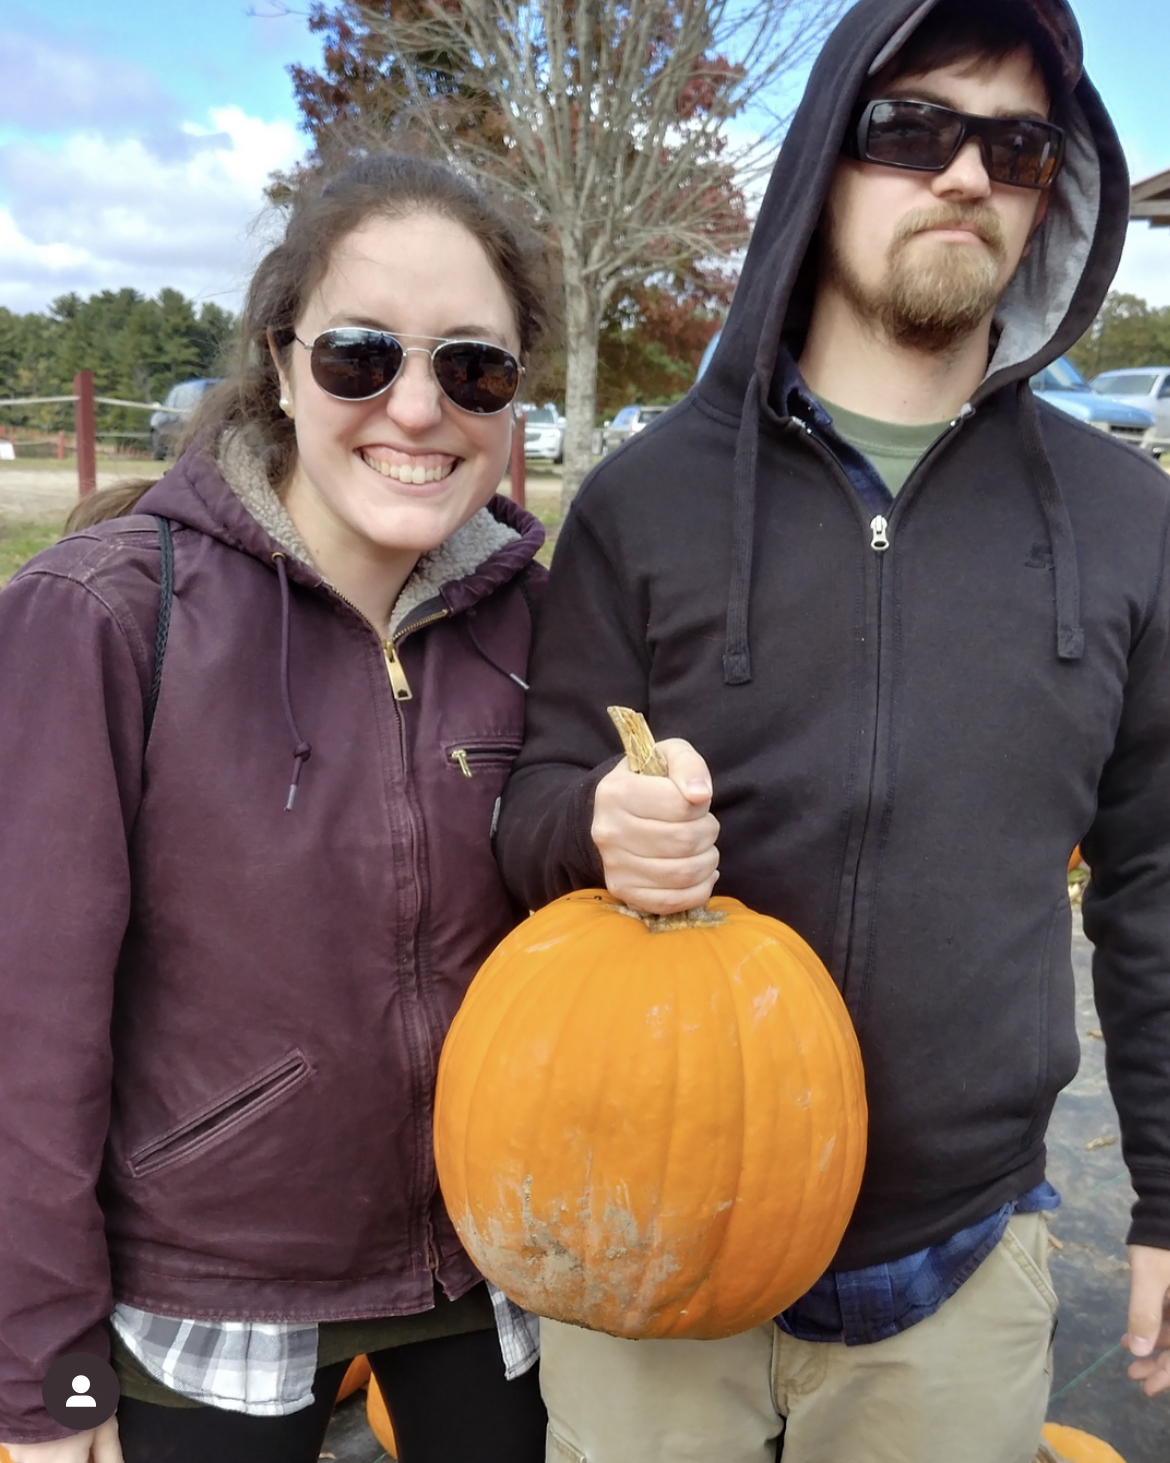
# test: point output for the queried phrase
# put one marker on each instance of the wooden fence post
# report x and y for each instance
(83, 416)
(519, 466)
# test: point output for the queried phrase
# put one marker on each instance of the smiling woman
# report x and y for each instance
(275, 958)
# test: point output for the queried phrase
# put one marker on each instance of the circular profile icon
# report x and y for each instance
(80, 1391)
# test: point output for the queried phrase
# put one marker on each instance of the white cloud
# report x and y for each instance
(94, 212)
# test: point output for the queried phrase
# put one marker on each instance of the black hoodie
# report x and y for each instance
(908, 730)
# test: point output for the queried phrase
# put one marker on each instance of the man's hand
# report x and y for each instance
(100, 1445)
(656, 835)
(1148, 1336)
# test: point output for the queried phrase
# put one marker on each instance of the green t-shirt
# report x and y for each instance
(894, 449)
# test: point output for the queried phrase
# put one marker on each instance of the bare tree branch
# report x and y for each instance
(612, 119)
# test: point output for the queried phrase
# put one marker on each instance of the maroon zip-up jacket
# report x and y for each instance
(222, 1019)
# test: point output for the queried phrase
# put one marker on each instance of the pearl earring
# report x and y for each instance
(286, 406)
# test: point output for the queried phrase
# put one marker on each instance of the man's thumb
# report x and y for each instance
(1145, 1316)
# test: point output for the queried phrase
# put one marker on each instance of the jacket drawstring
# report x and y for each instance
(495, 665)
(1070, 635)
(737, 662)
(302, 751)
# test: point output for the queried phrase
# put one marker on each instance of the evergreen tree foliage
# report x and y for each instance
(137, 349)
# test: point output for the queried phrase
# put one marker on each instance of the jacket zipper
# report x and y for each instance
(394, 667)
(421, 1029)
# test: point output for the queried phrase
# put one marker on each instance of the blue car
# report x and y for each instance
(1063, 386)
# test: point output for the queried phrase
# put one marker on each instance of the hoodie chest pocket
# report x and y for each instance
(223, 1116)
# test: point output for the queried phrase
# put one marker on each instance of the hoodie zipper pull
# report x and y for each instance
(398, 682)
(879, 540)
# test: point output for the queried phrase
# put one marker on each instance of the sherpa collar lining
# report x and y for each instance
(460, 555)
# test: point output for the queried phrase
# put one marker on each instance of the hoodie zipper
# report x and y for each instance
(869, 805)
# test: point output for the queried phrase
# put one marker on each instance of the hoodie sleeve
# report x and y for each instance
(1127, 917)
(589, 653)
(70, 757)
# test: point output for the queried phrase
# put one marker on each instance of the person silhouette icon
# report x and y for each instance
(81, 1387)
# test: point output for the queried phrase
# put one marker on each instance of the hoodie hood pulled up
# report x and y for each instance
(1051, 302)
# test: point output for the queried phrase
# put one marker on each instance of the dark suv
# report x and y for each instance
(167, 422)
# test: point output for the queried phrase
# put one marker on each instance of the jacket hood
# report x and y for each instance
(1059, 287)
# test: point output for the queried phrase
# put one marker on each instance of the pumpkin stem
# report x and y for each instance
(685, 919)
(638, 742)
(646, 758)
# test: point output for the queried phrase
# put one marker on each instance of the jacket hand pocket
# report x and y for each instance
(223, 1116)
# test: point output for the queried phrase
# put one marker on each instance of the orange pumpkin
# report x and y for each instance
(651, 1132)
(356, 1377)
(1073, 1446)
(379, 1419)
(1076, 859)
(5, 1455)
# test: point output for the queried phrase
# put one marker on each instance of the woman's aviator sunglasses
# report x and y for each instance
(356, 364)
(924, 137)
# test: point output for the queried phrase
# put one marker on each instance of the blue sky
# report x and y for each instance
(136, 138)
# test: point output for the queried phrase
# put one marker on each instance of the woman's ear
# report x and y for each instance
(287, 405)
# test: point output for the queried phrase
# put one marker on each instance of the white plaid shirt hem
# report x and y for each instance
(267, 1369)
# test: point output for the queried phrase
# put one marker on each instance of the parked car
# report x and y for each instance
(705, 359)
(1063, 386)
(544, 432)
(629, 420)
(1148, 387)
(178, 404)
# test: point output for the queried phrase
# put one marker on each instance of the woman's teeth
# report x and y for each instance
(403, 472)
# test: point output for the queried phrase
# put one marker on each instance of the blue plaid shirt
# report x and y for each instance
(860, 1306)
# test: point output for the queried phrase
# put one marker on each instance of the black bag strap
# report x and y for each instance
(166, 596)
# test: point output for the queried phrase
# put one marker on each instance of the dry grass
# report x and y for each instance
(20, 541)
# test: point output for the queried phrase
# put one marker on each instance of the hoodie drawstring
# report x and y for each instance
(737, 662)
(302, 751)
(1070, 635)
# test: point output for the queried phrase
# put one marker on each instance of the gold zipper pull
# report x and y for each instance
(459, 757)
(398, 682)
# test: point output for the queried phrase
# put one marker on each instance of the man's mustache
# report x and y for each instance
(983, 222)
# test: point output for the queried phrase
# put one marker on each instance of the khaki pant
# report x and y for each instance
(968, 1385)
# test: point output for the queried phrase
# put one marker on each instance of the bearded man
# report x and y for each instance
(895, 620)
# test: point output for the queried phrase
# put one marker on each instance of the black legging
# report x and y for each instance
(448, 1400)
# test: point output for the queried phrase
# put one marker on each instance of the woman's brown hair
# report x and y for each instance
(322, 214)
(113, 502)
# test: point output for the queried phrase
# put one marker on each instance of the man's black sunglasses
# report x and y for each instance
(356, 364)
(926, 138)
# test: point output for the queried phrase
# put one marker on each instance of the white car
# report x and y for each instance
(1148, 387)
(544, 432)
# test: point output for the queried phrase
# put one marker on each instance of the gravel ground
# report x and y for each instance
(45, 495)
